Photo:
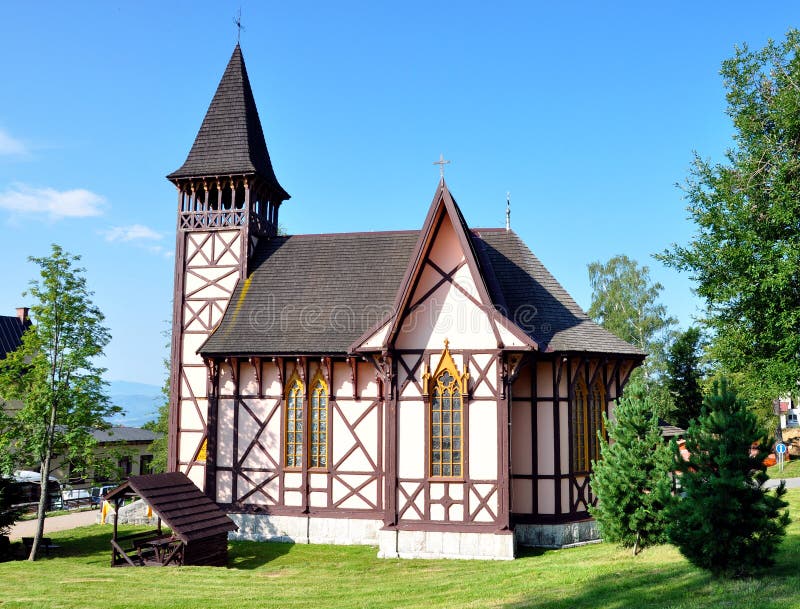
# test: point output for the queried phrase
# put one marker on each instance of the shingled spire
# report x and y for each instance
(230, 141)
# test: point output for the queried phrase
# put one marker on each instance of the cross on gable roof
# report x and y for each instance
(231, 140)
(444, 206)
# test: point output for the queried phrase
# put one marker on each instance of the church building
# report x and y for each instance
(432, 392)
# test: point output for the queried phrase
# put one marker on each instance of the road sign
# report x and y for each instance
(780, 448)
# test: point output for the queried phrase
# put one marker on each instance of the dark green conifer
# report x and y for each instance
(632, 480)
(724, 520)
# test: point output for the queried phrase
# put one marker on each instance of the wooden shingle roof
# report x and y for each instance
(317, 294)
(179, 503)
(11, 330)
(231, 140)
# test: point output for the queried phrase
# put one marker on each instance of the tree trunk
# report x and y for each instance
(45, 479)
(636, 548)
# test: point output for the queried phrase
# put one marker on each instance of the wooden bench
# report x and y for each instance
(45, 543)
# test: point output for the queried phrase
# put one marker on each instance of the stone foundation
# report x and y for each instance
(564, 535)
(412, 544)
(304, 529)
(440, 544)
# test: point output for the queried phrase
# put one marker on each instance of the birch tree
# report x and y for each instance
(54, 373)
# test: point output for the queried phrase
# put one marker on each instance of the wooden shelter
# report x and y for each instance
(198, 532)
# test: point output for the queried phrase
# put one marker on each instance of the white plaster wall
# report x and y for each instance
(547, 497)
(522, 497)
(521, 440)
(225, 433)
(224, 487)
(411, 439)
(544, 379)
(248, 385)
(270, 383)
(522, 385)
(191, 343)
(189, 416)
(376, 340)
(483, 438)
(545, 445)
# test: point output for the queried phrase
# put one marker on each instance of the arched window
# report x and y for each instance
(580, 429)
(294, 424)
(319, 424)
(597, 406)
(446, 388)
(587, 420)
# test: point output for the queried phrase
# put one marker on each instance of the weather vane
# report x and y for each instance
(239, 27)
(441, 163)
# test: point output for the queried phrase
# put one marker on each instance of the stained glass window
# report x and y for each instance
(446, 435)
(319, 426)
(587, 420)
(294, 425)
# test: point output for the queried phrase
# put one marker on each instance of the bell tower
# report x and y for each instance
(228, 199)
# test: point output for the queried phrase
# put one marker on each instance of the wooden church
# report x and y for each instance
(433, 392)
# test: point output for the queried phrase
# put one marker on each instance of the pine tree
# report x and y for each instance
(725, 520)
(684, 375)
(632, 480)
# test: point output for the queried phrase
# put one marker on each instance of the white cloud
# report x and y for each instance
(138, 235)
(134, 232)
(21, 199)
(11, 146)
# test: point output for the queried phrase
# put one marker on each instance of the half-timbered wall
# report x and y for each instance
(208, 266)
(545, 489)
(249, 424)
(444, 311)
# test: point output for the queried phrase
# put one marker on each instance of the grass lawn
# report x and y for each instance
(265, 575)
(791, 469)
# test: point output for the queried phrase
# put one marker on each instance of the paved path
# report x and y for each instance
(27, 528)
(790, 482)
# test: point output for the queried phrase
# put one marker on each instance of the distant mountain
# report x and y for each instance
(139, 402)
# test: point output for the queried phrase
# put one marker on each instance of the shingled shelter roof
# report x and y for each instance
(231, 140)
(349, 284)
(179, 503)
(11, 330)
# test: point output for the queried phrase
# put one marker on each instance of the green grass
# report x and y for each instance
(791, 469)
(265, 575)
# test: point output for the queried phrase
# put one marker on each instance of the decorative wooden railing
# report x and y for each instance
(217, 218)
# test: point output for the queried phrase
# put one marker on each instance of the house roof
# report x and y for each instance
(124, 434)
(231, 140)
(11, 330)
(318, 294)
(179, 503)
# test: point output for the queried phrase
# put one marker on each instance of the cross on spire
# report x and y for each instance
(441, 163)
(237, 21)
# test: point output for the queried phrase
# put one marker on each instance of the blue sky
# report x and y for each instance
(586, 112)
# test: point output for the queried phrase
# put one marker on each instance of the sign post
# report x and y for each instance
(780, 450)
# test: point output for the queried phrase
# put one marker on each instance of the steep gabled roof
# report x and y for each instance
(11, 330)
(179, 503)
(231, 140)
(444, 206)
(319, 294)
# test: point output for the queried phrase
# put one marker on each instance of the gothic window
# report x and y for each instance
(446, 427)
(587, 420)
(446, 388)
(294, 424)
(319, 425)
